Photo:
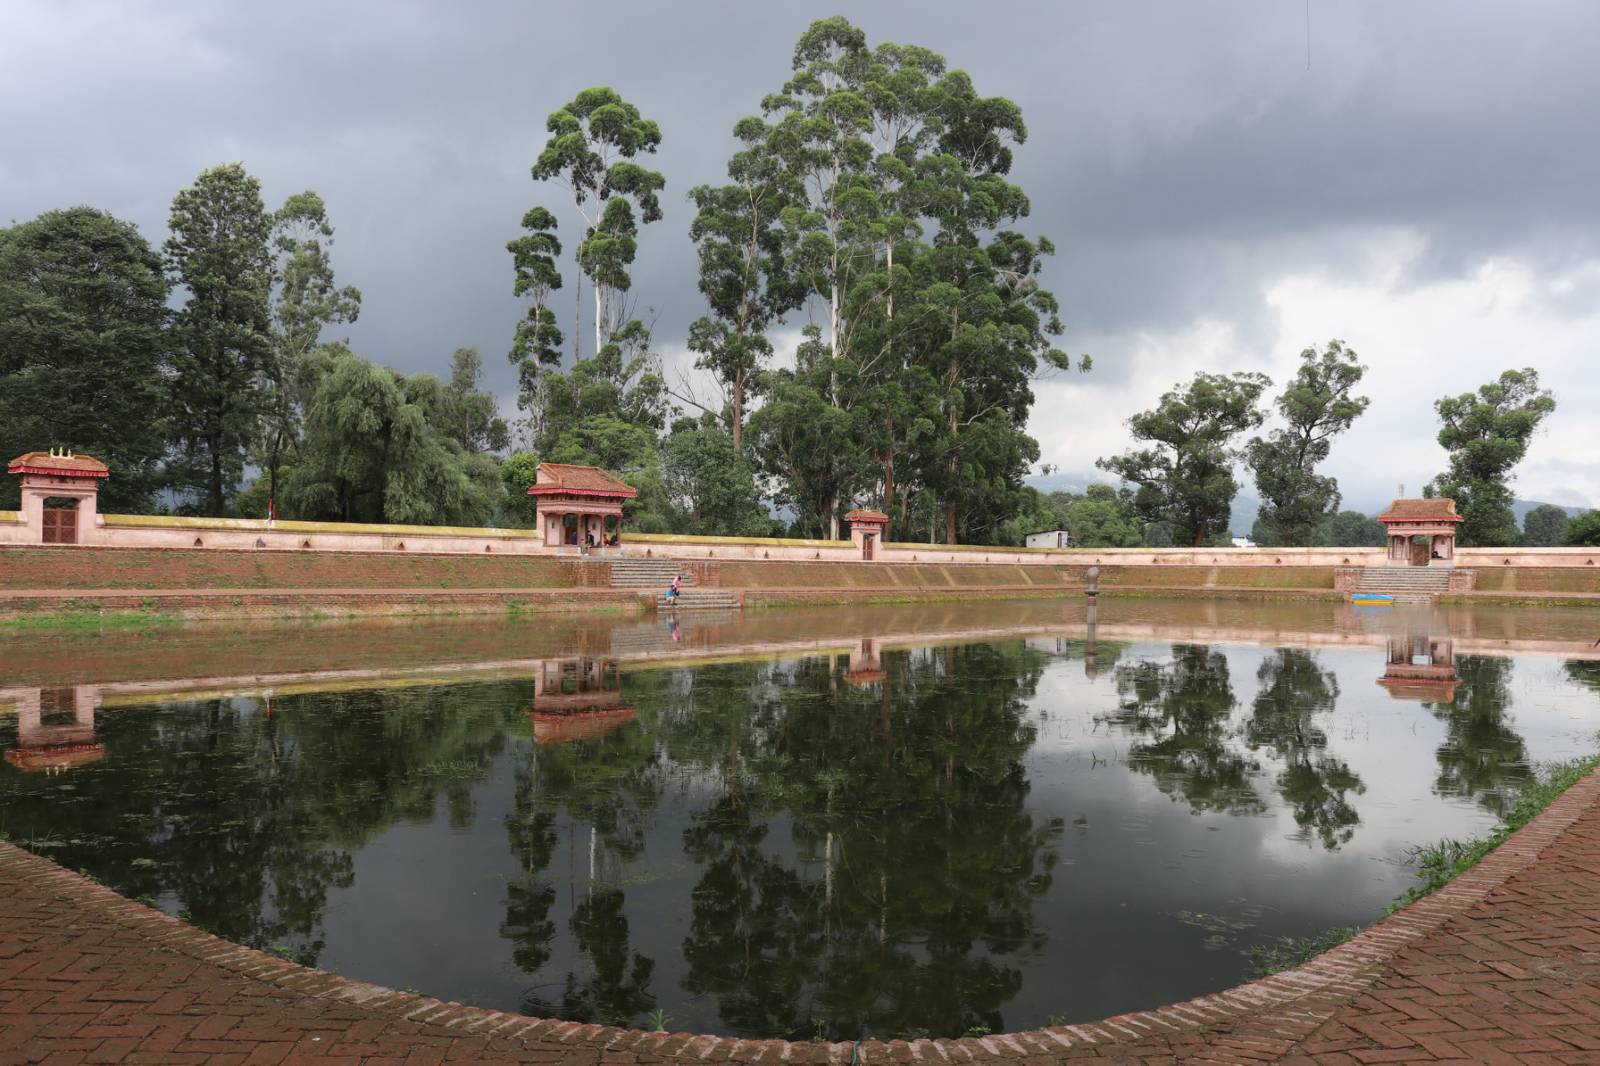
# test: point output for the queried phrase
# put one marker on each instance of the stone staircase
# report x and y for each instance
(1407, 584)
(629, 573)
(701, 599)
(657, 574)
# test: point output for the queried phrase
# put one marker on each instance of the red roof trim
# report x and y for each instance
(1421, 518)
(559, 490)
(56, 471)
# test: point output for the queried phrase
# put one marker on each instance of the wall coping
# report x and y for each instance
(1337, 975)
(260, 525)
(629, 537)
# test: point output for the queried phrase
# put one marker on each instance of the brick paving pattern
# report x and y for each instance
(1502, 966)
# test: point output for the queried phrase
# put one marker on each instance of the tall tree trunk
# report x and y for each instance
(738, 409)
(950, 523)
(599, 317)
(888, 474)
(214, 488)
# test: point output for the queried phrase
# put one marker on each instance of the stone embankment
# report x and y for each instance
(219, 582)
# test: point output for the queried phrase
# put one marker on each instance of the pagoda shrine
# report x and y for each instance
(1421, 532)
(587, 496)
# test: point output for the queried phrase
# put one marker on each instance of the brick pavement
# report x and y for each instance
(1501, 966)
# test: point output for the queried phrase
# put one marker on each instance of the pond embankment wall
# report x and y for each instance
(361, 567)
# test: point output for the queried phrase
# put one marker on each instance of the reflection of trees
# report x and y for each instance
(1180, 711)
(246, 817)
(1294, 688)
(609, 785)
(919, 863)
(1585, 672)
(1482, 757)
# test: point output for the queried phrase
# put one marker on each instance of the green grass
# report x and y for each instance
(81, 620)
(1443, 861)
(1287, 952)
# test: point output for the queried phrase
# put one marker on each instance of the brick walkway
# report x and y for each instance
(1502, 966)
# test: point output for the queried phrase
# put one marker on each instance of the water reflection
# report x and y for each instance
(1483, 756)
(55, 728)
(864, 837)
(1317, 785)
(1181, 710)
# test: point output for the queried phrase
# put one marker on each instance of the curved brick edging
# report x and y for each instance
(1260, 1019)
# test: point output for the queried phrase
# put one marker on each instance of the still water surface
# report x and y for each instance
(881, 838)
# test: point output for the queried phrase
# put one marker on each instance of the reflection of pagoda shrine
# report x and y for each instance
(576, 699)
(55, 729)
(865, 666)
(1420, 668)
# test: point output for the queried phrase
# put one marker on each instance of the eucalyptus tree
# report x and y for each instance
(219, 254)
(1317, 405)
(743, 272)
(306, 300)
(592, 148)
(933, 317)
(537, 345)
(1185, 477)
(1487, 433)
(83, 348)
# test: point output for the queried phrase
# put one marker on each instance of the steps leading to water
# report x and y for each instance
(1407, 584)
(646, 573)
(701, 599)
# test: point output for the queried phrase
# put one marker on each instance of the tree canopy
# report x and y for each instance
(1487, 433)
(1185, 479)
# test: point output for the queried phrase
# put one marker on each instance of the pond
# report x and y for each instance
(885, 822)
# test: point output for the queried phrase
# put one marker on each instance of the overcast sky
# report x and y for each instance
(1425, 191)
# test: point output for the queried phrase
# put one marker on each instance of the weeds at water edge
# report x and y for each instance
(1287, 952)
(1441, 862)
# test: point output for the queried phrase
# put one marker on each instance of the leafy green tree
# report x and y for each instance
(742, 270)
(82, 349)
(1186, 478)
(812, 450)
(929, 339)
(537, 345)
(1352, 529)
(518, 473)
(1104, 518)
(1487, 434)
(592, 147)
(1545, 526)
(467, 416)
(306, 301)
(1316, 407)
(712, 486)
(371, 454)
(220, 256)
(1584, 530)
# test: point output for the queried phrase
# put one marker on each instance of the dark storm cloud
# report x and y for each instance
(1181, 155)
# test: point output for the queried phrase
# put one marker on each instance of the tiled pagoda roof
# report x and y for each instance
(58, 464)
(573, 480)
(1436, 509)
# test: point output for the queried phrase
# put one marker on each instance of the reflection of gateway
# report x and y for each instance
(865, 666)
(576, 699)
(1420, 668)
(55, 728)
